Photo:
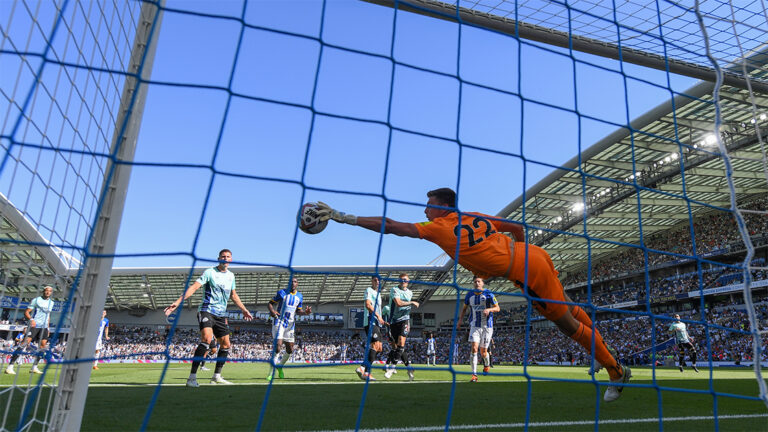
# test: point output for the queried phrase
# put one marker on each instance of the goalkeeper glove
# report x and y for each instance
(325, 212)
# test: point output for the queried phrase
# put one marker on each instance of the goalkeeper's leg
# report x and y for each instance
(578, 312)
(542, 285)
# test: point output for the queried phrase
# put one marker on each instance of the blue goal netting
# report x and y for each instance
(626, 139)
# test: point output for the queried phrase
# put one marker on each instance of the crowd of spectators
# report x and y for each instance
(632, 338)
(714, 232)
(662, 288)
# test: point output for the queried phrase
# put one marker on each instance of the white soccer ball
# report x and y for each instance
(308, 221)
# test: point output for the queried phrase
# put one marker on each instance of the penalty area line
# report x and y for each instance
(551, 424)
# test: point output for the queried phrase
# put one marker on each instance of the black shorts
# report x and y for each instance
(375, 334)
(220, 325)
(686, 345)
(37, 334)
(400, 328)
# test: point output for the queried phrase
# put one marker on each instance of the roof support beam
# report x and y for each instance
(352, 289)
(627, 166)
(320, 291)
(450, 12)
(678, 188)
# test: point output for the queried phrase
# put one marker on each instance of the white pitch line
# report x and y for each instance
(277, 383)
(551, 424)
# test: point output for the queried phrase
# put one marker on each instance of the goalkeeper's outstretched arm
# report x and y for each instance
(373, 223)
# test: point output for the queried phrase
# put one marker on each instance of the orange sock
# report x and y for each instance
(581, 316)
(584, 337)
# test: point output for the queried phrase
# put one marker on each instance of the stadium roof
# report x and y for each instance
(159, 287)
(28, 261)
(635, 176)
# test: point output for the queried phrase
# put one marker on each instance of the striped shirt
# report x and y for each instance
(479, 301)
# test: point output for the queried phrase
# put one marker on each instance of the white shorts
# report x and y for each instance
(283, 333)
(430, 353)
(99, 344)
(481, 336)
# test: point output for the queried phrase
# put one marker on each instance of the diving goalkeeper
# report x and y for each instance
(483, 250)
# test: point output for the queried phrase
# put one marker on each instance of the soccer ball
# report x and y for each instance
(308, 221)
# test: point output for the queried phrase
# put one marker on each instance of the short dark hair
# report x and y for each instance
(225, 250)
(445, 196)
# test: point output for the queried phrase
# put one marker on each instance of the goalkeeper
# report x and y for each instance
(485, 252)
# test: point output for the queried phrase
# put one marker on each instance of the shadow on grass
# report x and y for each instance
(323, 406)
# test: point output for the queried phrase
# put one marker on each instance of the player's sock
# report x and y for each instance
(275, 359)
(486, 360)
(397, 356)
(284, 358)
(16, 354)
(404, 357)
(192, 376)
(474, 363)
(371, 359)
(391, 358)
(581, 316)
(693, 358)
(200, 351)
(221, 358)
(584, 337)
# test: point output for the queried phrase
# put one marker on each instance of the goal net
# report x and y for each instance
(660, 105)
(70, 105)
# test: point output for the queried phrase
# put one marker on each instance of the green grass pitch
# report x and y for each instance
(329, 397)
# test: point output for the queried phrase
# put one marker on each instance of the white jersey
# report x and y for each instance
(478, 301)
(681, 332)
(288, 304)
(431, 346)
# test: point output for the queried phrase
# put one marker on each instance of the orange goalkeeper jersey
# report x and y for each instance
(480, 248)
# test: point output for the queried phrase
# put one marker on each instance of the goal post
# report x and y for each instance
(89, 290)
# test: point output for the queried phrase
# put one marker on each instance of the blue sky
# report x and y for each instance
(378, 128)
(356, 105)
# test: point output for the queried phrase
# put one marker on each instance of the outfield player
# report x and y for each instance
(218, 287)
(481, 304)
(38, 314)
(431, 349)
(456, 352)
(400, 305)
(684, 343)
(289, 304)
(476, 242)
(491, 350)
(103, 335)
(19, 339)
(373, 324)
